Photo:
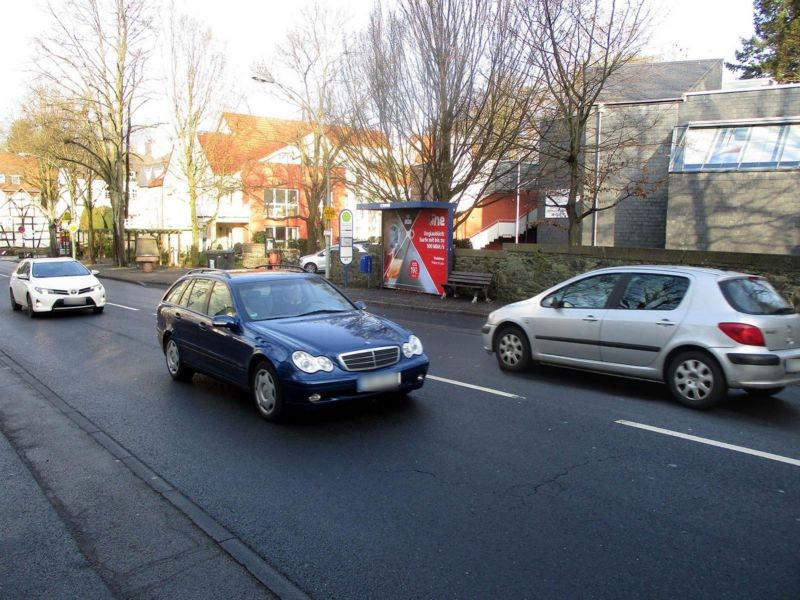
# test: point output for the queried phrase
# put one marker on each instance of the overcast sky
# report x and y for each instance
(684, 29)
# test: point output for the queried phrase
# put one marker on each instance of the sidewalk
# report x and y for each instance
(165, 276)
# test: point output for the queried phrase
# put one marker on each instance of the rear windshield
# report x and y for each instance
(755, 296)
(59, 269)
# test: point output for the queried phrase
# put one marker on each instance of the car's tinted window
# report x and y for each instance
(24, 268)
(174, 295)
(290, 298)
(59, 269)
(196, 297)
(646, 291)
(220, 303)
(592, 292)
(754, 296)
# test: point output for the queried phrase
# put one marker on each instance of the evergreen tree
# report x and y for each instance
(774, 50)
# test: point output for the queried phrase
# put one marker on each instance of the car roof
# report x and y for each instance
(246, 275)
(52, 259)
(677, 269)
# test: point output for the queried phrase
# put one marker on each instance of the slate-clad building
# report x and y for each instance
(721, 167)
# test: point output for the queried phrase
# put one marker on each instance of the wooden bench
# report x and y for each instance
(469, 280)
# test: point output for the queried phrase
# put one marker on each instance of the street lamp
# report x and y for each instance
(327, 201)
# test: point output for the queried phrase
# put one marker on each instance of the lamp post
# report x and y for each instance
(327, 200)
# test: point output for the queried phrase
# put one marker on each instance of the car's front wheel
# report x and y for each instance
(98, 309)
(14, 304)
(512, 349)
(267, 392)
(177, 370)
(31, 312)
(696, 380)
(311, 267)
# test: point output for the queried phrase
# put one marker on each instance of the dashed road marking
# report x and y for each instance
(709, 442)
(122, 306)
(474, 387)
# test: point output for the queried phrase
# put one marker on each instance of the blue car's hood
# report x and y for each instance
(332, 333)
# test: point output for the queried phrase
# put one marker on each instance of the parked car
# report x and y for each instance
(287, 337)
(55, 284)
(315, 263)
(700, 331)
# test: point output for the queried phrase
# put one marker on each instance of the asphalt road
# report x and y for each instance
(541, 485)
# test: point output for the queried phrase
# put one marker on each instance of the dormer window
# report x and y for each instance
(16, 179)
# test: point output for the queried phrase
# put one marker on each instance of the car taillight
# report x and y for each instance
(749, 335)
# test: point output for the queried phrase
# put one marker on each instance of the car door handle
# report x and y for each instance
(178, 316)
(590, 318)
(202, 326)
(665, 323)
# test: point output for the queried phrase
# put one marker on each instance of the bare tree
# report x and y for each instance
(447, 97)
(306, 73)
(38, 135)
(196, 85)
(95, 56)
(578, 45)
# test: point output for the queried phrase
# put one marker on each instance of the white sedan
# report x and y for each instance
(55, 284)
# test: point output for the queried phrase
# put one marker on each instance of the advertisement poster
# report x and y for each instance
(415, 249)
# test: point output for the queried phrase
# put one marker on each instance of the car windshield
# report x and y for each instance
(59, 269)
(755, 296)
(283, 298)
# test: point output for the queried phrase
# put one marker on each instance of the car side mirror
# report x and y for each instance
(95, 272)
(225, 321)
(23, 276)
(360, 304)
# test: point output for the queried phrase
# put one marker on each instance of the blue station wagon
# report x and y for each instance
(291, 338)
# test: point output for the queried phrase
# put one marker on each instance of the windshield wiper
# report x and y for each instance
(321, 311)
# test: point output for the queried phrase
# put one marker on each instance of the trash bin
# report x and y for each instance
(365, 264)
(221, 259)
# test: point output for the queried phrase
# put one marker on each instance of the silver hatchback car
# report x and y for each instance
(701, 331)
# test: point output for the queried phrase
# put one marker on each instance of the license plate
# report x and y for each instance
(793, 365)
(379, 383)
(74, 301)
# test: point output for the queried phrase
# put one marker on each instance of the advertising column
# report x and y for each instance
(415, 249)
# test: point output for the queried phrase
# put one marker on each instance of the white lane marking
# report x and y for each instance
(121, 306)
(701, 440)
(474, 387)
(4, 275)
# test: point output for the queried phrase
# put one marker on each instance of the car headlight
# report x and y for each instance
(412, 347)
(44, 290)
(311, 364)
(97, 288)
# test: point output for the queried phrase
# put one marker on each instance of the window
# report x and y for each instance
(220, 303)
(2, 177)
(196, 298)
(653, 292)
(280, 203)
(592, 292)
(174, 295)
(773, 146)
(282, 234)
(754, 296)
(15, 179)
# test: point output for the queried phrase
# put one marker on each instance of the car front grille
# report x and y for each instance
(375, 358)
(67, 292)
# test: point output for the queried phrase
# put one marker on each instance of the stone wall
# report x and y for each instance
(523, 270)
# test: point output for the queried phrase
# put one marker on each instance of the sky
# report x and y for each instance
(682, 30)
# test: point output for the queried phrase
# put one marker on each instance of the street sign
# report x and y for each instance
(329, 213)
(346, 237)
(21, 229)
(73, 227)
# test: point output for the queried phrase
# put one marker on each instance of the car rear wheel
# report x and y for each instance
(696, 380)
(512, 349)
(177, 370)
(764, 392)
(267, 392)
(14, 304)
(311, 267)
(31, 312)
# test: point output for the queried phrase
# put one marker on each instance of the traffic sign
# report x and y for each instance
(346, 237)
(329, 213)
